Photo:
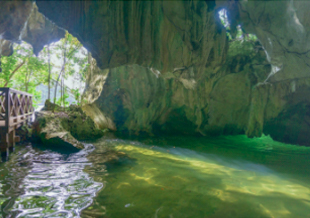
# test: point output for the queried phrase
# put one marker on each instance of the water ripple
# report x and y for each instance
(56, 185)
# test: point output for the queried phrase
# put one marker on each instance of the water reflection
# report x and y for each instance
(169, 181)
(182, 177)
(53, 184)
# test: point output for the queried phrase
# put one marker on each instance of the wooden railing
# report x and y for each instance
(15, 109)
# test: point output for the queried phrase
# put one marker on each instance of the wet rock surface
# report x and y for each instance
(292, 125)
(282, 28)
(213, 103)
(64, 127)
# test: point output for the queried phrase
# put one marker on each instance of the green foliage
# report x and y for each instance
(242, 44)
(240, 47)
(77, 95)
(8, 64)
(75, 56)
(63, 99)
(74, 60)
(24, 71)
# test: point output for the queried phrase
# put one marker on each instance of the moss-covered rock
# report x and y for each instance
(48, 130)
(64, 126)
(81, 126)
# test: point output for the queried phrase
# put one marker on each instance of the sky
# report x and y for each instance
(71, 82)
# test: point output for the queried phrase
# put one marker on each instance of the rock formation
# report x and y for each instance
(166, 66)
(217, 101)
(163, 35)
(57, 126)
(280, 104)
(21, 21)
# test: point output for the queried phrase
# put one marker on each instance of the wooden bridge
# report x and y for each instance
(15, 110)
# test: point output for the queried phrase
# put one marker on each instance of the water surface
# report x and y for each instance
(40, 182)
(159, 177)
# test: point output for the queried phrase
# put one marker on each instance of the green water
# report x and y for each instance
(159, 177)
(199, 177)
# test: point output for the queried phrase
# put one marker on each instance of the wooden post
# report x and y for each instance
(5, 137)
(4, 147)
(7, 110)
(7, 144)
(3, 143)
(11, 143)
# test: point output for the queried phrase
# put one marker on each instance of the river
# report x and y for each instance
(174, 177)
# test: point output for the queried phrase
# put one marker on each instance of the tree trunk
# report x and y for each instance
(14, 71)
(28, 80)
(61, 71)
(63, 92)
(49, 73)
(55, 92)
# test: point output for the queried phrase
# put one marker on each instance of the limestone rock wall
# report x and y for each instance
(164, 66)
(217, 101)
(14, 16)
(163, 35)
(283, 29)
(6, 47)
(39, 31)
(21, 21)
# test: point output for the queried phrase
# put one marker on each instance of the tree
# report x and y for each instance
(49, 72)
(13, 72)
(74, 62)
(23, 70)
(10, 65)
(56, 62)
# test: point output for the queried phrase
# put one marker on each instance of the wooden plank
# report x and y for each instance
(16, 120)
(18, 92)
(4, 89)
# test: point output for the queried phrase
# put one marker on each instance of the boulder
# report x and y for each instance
(57, 126)
(48, 130)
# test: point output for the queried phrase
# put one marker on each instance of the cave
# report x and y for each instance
(208, 71)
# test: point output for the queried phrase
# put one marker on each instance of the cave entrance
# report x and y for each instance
(57, 73)
(234, 33)
(243, 47)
